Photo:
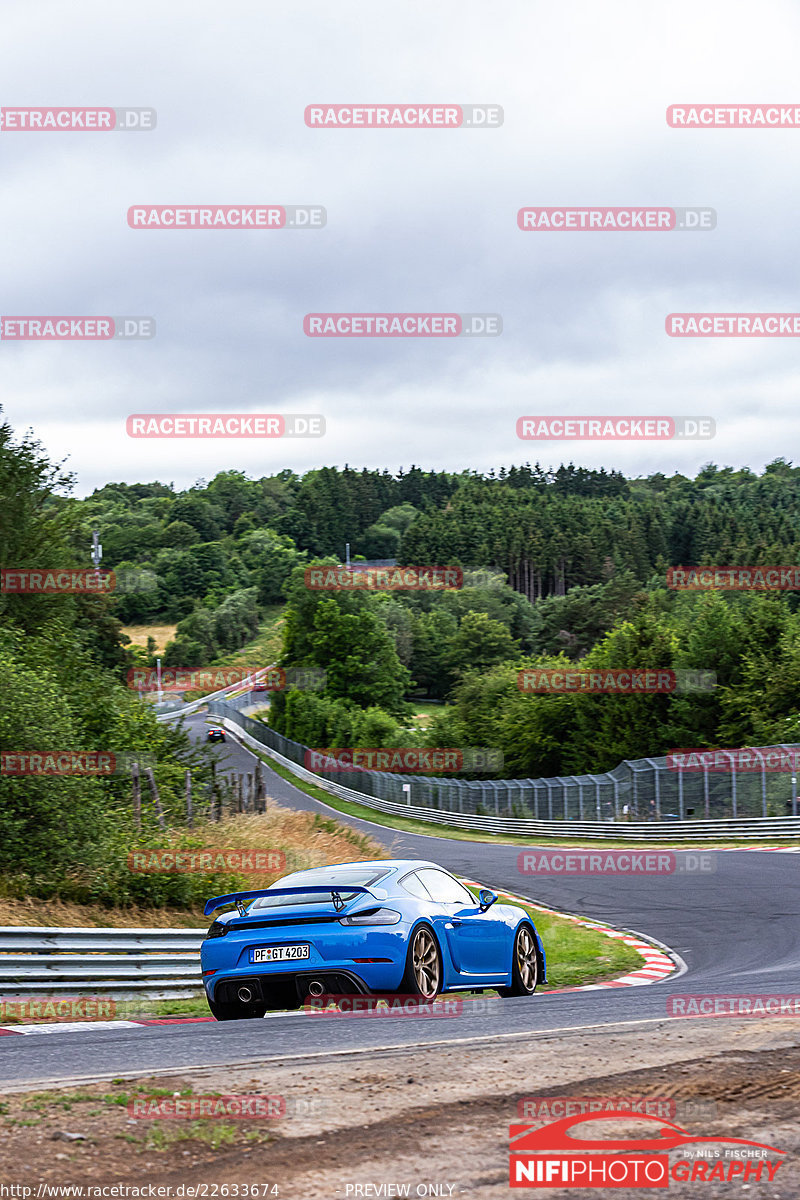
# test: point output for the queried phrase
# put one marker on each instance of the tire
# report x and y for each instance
(236, 1012)
(424, 973)
(524, 964)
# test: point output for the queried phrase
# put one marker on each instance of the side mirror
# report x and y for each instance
(486, 899)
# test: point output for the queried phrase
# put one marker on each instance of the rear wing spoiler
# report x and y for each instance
(238, 898)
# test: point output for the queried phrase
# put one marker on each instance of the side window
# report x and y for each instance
(444, 888)
(413, 884)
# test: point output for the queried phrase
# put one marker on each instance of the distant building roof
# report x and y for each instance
(372, 562)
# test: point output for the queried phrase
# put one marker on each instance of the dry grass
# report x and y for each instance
(140, 633)
(307, 839)
(61, 914)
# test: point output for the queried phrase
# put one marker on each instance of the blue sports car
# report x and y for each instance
(400, 925)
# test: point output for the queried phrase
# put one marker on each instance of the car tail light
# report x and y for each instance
(372, 916)
(217, 929)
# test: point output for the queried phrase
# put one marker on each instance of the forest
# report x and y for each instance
(563, 566)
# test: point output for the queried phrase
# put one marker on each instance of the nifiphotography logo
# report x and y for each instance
(550, 1156)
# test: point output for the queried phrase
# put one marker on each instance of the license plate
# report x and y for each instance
(279, 953)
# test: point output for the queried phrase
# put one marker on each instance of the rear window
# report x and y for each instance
(334, 879)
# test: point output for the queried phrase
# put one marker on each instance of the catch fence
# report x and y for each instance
(638, 790)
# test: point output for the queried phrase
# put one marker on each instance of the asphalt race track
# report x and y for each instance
(737, 928)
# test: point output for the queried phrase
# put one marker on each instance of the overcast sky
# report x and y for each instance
(418, 221)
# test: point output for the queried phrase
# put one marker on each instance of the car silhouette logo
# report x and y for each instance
(556, 1137)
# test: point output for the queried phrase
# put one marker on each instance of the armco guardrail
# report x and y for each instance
(158, 963)
(228, 691)
(452, 796)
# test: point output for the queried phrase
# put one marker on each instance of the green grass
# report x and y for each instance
(142, 1009)
(424, 712)
(211, 1133)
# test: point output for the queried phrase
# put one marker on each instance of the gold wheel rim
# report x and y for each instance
(527, 964)
(425, 958)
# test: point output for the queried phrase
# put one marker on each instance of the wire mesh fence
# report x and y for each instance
(644, 789)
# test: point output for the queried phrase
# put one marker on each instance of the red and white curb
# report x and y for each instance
(658, 964)
(79, 1026)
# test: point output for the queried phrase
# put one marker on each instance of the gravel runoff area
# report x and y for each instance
(418, 1122)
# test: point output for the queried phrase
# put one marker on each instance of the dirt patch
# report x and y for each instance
(437, 1116)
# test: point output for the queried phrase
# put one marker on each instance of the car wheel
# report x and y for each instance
(524, 966)
(236, 1012)
(423, 974)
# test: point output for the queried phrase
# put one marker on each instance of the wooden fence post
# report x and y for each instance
(189, 807)
(259, 803)
(151, 779)
(137, 795)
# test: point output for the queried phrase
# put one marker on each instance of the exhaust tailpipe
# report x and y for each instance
(315, 988)
(245, 995)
